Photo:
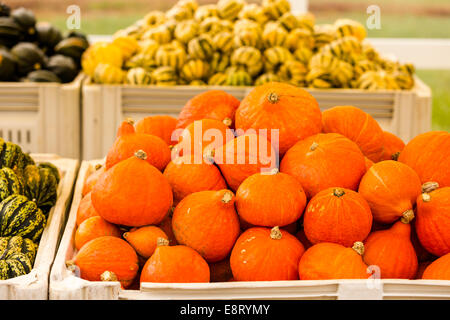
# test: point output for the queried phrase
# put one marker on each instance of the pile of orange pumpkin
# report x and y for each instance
(345, 200)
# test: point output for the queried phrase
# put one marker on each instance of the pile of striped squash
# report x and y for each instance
(27, 193)
(345, 200)
(238, 44)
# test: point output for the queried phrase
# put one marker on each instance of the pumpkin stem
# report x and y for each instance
(407, 216)
(208, 155)
(358, 246)
(338, 192)
(395, 156)
(273, 97)
(129, 121)
(314, 146)
(227, 196)
(98, 166)
(275, 233)
(125, 235)
(426, 197)
(70, 264)
(429, 186)
(160, 242)
(141, 154)
(227, 122)
(108, 276)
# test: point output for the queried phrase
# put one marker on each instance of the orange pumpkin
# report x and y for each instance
(392, 251)
(369, 163)
(243, 156)
(326, 261)
(263, 254)
(85, 209)
(391, 189)
(91, 179)
(438, 269)
(421, 252)
(290, 110)
(221, 271)
(207, 222)
(337, 215)
(166, 226)
(358, 126)
(433, 219)
(126, 127)
(323, 161)
(162, 126)
(106, 257)
(186, 177)
(132, 193)
(175, 264)
(429, 155)
(392, 146)
(278, 205)
(126, 144)
(92, 228)
(212, 104)
(144, 239)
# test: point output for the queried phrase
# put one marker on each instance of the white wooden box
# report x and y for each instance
(42, 117)
(34, 286)
(64, 284)
(405, 113)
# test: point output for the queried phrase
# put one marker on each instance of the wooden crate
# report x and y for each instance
(35, 284)
(405, 113)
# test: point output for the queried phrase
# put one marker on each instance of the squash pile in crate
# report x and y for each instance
(37, 51)
(290, 193)
(27, 193)
(238, 44)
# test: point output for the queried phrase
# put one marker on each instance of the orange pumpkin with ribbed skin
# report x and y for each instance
(327, 261)
(91, 179)
(207, 222)
(212, 104)
(92, 228)
(132, 193)
(421, 252)
(104, 254)
(280, 106)
(392, 251)
(85, 209)
(429, 155)
(323, 161)
(369, 163)
(221, 271)
(202, 134)
(186, 177)
(175, 264)
(358, 126)
(270, 200)
(243, 156)
(264, 254)
(438, 269)
(391, 189)
(166, 226)
(337, 215)
(127, 143)
(162, 126)
(144, 239)
(126, 127)
(433, 220)
(392, 146)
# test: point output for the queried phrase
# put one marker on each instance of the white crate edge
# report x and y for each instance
(103, 108)
(64, 285)
(34, 286)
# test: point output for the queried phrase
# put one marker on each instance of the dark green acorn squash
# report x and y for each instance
(72, 47)
(11, 156)
(28, 57)
(27, 21)
(10, 183)
(40, 185)
(48, 36)
(21, 217)
(53, 169)
(7, 65)
(27, 159)
(10, 32)
(42, 76)
(5, 10)
(17, 256)
(64, 67)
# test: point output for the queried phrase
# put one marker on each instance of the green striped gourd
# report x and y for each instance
(40, 185)
(201, 47)
(323, 34)
(267, 77)
(171, 55)
(255, 12)
(224, 41)
(127, 44)
(274, 36)
(229, 9)
(139, 76)
(10, 183)
(21, 217)
(347, 27)
(276, 56)
(293, 72)
(344, 48)
(303, 55)
(211, 26)
(289, 21)
(148, 48)
(11, 156)
(195, 69)
(218, 79)
(197, 82)
(141, 61)
(404, 80)
(219, 62)
(300, 38)
(154, 18)
(187, 30)
(246, 56)
(206, 11)
(160, 34)
(363, 66)
(164, 76)
(376, 80)
(108, 74)
(238, 77)
(179, 13)
(17, 256)
(248, 37)
(276, 8)
(27, 159)
(53, 169)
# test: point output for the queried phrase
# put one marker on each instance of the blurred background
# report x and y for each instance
(399, 19)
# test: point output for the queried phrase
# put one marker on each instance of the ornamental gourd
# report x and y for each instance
(11, 156)
(391, 189)
(280, 106)
(337, 215)
(429, 155)
(438, 269)
(94, 227)
(326, 261)
(85, 209)
(323, 161)
(107, 257)
(40, 185)
(207, 222)
(92, 178)
(162, 126)
(10, 183)
(168, 265)
(358, 126)
(17, 256)
(392, 251)
(136, 179)
(144, 239)
(278, 205)
(264, 254)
